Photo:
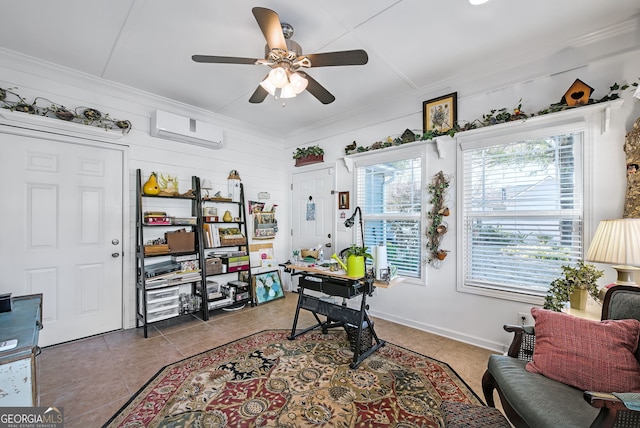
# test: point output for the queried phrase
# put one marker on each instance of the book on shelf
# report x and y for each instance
(174, 278)
(190, 221)
(156, 217)
(211, 235)
(184, 257)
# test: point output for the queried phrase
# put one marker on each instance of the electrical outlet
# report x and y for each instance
(525, 318)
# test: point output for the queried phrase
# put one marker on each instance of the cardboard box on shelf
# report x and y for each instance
(180, 241)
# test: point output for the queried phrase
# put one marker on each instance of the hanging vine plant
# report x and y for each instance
(437, 229)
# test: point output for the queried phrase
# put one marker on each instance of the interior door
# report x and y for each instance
(312, 216)
(62, 234)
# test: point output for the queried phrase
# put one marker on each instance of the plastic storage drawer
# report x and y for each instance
(163, 313)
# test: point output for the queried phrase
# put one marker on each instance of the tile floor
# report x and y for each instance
(92, 378)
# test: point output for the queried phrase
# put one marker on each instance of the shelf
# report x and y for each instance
(223, 222)
(49, 124)
(188, 197)
(197, 282)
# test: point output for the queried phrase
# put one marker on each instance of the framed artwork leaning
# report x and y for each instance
(267, 286)
(440, 114)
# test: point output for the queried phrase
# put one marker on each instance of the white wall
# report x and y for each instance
(436, 305)
(265, 164)
(258, 158)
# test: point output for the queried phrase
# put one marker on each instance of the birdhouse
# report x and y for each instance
(578, 94)
(234, 185)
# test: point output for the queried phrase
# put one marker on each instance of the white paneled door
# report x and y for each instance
(313, 210)
(61, 213)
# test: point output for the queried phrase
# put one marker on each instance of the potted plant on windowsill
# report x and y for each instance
(577, 282)
(308, 155)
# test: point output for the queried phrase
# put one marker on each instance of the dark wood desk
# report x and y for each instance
(337, 285)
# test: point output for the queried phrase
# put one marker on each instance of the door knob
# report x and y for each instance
(115, 241)
(115, 255)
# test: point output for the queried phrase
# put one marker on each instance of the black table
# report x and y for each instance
(337, 285)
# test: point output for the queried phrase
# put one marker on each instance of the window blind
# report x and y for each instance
(522, 212)
(390, 197)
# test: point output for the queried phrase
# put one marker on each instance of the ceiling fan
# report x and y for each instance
(284, 56)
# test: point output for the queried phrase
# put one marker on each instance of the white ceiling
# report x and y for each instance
(414, 46)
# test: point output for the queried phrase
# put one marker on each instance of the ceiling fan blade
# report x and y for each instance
(258, 95)
(223, 59)
(318, 91)
(328, 59)
(269, 23)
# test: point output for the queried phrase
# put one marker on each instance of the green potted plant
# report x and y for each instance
(308, 155)
(577, 282)
(355, 256)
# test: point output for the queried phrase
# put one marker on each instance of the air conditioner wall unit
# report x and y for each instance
(185, 130)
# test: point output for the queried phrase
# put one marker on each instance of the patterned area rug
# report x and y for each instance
(267, 380)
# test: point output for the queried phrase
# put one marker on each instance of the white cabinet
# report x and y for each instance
(18, 386)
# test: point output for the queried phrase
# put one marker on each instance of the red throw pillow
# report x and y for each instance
(589, 355)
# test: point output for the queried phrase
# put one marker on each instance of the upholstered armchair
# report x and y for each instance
(542, 395)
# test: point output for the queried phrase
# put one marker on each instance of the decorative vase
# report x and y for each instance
(227, 217)
(578, 299)
(355, 266)
(151, 186)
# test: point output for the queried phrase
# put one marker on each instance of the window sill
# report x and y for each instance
(495, 293)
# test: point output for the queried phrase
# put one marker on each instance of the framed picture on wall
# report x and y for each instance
(267, 286)
(440, 114)
(343, 200)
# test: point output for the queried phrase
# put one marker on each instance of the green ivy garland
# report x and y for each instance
(436, 230)
(493, 117)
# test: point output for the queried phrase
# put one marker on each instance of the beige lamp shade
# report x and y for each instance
(617, 242)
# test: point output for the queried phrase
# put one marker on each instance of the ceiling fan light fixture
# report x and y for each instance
(278, 77)
(288, 91)
(268, 86)
(477, 2)
(298, 82)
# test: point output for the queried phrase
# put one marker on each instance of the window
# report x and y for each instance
(522, 210)
(389, 193)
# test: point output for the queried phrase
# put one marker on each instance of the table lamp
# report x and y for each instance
(617, 242)
(206, 186)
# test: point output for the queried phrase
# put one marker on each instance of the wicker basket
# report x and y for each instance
(213, 266)
(227, 242)
(366, 341)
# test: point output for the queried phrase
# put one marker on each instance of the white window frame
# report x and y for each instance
(580, 120)
(410, 150)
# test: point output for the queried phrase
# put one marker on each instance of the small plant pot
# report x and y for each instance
(25, 108)
(123, 124)
(441, 254)
(355, 266)
(92, 114)
(309, 160)
(578, 299)
(63, 114)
